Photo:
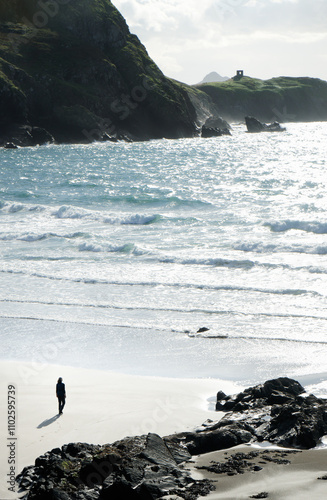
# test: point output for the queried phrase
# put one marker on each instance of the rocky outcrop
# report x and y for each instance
(143, 468)
(253, 125)
(151, 467)
(25, 135)
(278, 411)
(75, 70)
(214, 132)
(287, 415)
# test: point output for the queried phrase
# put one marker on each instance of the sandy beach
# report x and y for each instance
(101, 407)
(297, 480)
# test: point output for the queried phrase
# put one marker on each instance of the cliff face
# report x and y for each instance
(73, 68)
(284, 99)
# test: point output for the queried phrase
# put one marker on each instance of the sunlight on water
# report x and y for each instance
(122, 248)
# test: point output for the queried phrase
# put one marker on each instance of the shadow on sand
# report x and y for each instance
(48, 421)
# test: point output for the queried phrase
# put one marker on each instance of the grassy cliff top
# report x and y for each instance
(282, 98)
(249, 85)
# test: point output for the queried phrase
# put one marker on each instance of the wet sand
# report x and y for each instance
(296, 480)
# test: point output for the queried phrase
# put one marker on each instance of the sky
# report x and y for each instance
(266, 38)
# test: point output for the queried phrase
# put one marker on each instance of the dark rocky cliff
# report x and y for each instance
(284, 99)
(73, 68)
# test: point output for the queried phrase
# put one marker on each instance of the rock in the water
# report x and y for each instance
(24, 135)
(207, 131)
(203, 329)
(254, 125)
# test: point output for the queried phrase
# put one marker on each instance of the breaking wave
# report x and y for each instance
(128, 248)
(72, 212)
(32, 237)
(287, 225)
(163, 284)
(272, 248)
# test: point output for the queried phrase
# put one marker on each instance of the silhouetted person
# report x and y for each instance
(61, 394)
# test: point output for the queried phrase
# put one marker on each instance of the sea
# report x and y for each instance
(114, 255)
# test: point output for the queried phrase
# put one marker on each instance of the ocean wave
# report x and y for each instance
(307, 226)
(134, 219)
(13, 208)
(261, 339)
(162, 284)
(7, 237)
(164, 201)
(215, 262)
(275, 248)
(127, 248)
(29, 237)
(209, 312)
(72, 212)
(16, 207)
(68, 212)
(32, 237)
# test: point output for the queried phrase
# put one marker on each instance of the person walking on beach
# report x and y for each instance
(61, 394)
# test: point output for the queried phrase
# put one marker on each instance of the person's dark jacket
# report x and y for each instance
(60, 390)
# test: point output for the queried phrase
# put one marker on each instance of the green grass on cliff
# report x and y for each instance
(285, 98)
(247, 86)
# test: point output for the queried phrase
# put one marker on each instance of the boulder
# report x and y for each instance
(24, 135)
(213, 131)
(278, 411)
(141, 467)
(253, 125)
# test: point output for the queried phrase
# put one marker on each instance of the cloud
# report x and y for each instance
(185, 37)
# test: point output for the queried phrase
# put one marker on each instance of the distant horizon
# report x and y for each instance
(266, 38)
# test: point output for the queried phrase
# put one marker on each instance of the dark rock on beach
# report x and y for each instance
(278, 411)
(253, 125)
(287, 416)
(142, 467)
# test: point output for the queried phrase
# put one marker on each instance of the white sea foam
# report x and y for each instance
(242, 264)
(125, 248)
(33, 237)
(12, 207)
(66, 212)
(135, 219)
(69, 212)
(16, 207)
